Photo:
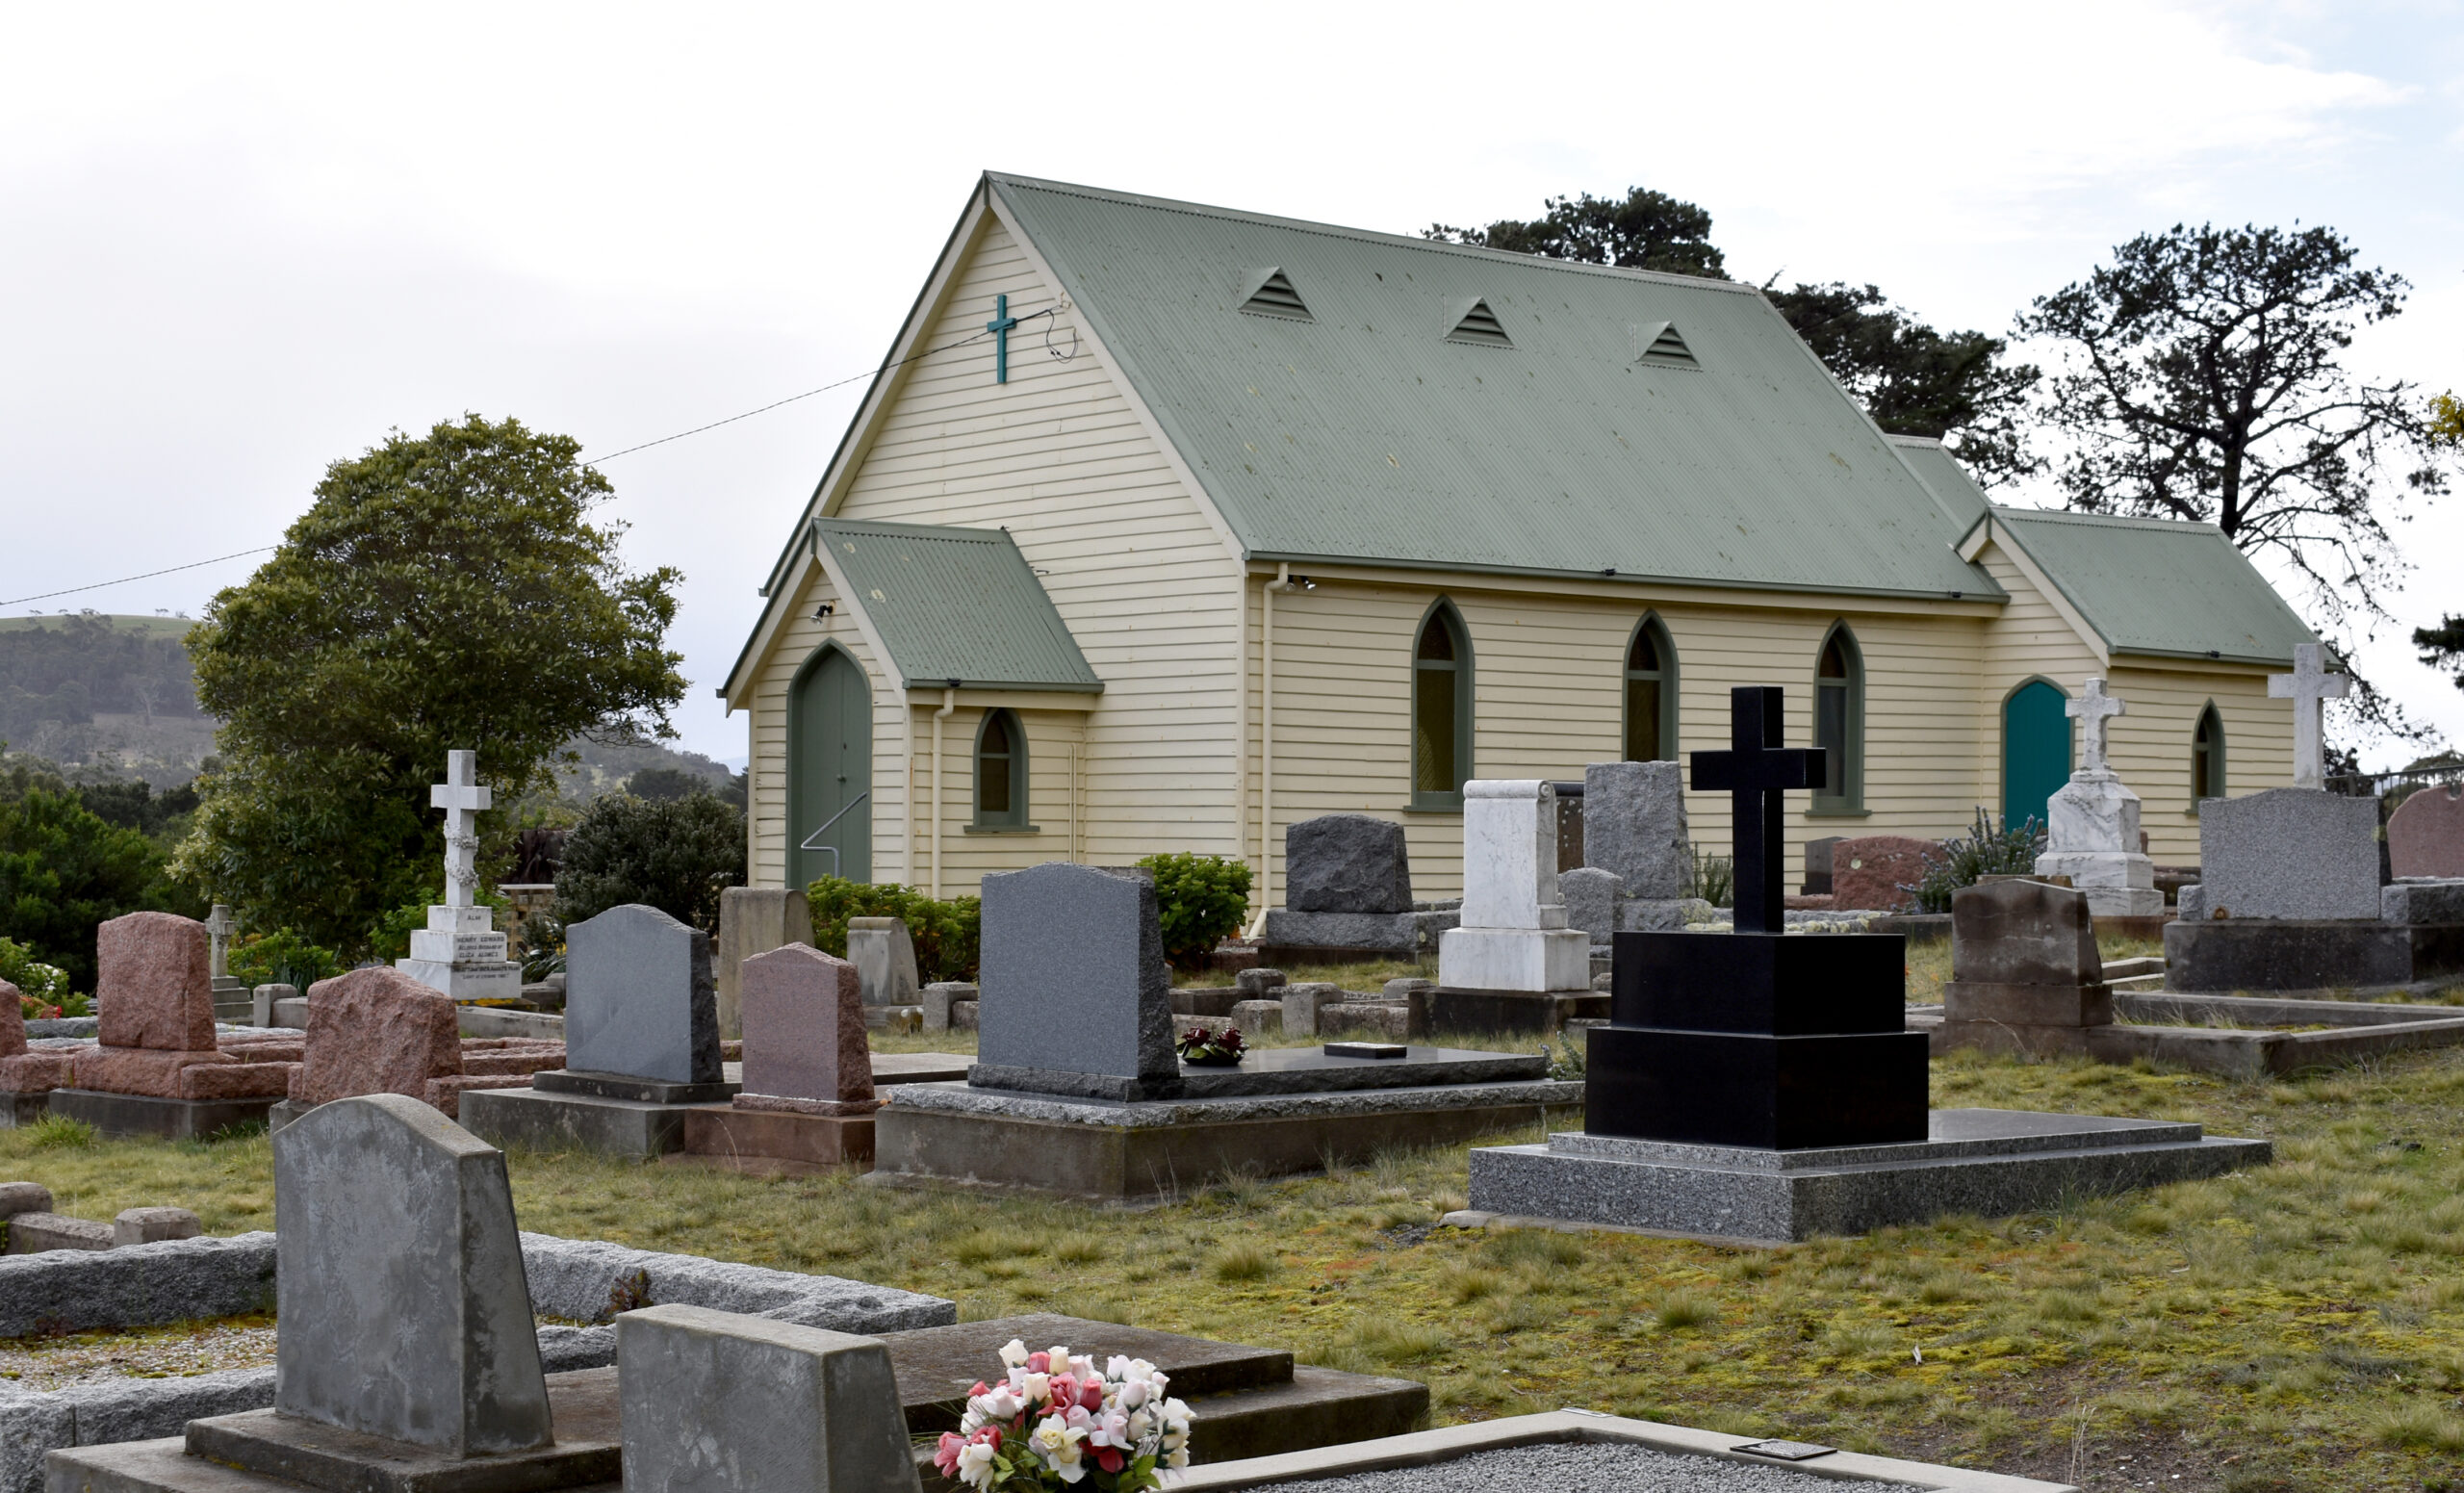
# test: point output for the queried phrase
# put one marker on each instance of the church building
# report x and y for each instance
(1167, 526)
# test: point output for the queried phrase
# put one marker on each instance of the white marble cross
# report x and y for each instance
(2309, 687)
(461, 797)
(219, 928)
(2091, 709)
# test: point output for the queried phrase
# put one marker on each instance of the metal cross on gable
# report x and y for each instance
(2309, 687)
(999, 327)
(461, 796)
(2091, 710)
(1757, 771)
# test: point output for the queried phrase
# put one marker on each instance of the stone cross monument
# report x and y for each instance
(1758, 772)
(219, 926)
(2309, 687)
(460, 951)
(2092, 824)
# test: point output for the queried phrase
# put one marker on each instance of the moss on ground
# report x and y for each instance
(2300, 1325)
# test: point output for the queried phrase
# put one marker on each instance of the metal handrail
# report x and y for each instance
(834, 861)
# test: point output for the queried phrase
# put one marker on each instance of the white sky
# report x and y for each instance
(238, 242)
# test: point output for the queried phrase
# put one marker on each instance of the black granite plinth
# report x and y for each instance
(2301, 954)
(1765, 1040)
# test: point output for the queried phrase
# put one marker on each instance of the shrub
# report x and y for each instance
(63, 870)
(1983, 851)
(281, 957)
(676, 855)
(1199, 900)
(42, 989)
(947, 934)
(1712, 878)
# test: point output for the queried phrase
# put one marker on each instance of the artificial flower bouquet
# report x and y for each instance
(1212, 1049)
(1055, 1421)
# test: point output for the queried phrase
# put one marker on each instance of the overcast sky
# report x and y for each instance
(238, 243)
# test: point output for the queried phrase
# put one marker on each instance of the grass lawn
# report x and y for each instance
(2297, 1326)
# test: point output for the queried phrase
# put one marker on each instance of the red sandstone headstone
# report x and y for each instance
(12, 1020)
(153, 985)
(2425, 833)
(1868, 873)
(376, 1031)
(804, 1048)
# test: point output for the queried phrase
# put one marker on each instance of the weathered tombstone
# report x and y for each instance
(154, 984)
(263, 999)
(1513, 965)
(2092, 823)
(1634, 826)
(721, 1402)
(1591, 894)
(2287, 853)
(376, 1031)
(1347, 863)
(230, 994)
(1867, 871)
(460, 952)
(398, 1283)
(753, 921)
(884, 954)
(2425, 833)
(1817, 882)
(639, 997)
(1075, 999)
(2025, 974)
(804, 1035)
(156, 1069)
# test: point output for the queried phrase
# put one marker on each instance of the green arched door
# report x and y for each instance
(2036, 750)
(829, 766)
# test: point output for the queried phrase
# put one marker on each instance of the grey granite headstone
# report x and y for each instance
(2289, 853)
(639, 997)
(1591, 900)
(1075, 999)
(1634, 825)
(720, 1403)
(1347, 863)
(398, 1287)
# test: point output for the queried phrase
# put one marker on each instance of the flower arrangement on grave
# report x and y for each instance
(1210, 1048)
(1056, 1421)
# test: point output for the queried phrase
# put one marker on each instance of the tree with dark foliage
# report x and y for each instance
(1646, 230)
(2442, 646)
(677, 855)
(2205, 381)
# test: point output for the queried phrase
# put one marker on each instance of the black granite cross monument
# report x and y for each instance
(1757, 1038)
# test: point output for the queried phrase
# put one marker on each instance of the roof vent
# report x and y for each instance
(1270, 294)
(1659, 342)
(1472, 321)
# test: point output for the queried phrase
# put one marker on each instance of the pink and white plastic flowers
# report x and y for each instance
(1055, 1421)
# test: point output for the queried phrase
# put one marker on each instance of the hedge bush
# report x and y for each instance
(675, 855)
(947, 934)
(1201, 901)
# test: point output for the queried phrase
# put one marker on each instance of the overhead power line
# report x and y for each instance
(148, 575)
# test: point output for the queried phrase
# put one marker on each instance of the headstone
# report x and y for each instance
(804, 1035)
(13, 1021)
(398, 1282)
(376, 1031)
(263, 999)
(2025, 974)
(2309, 687)
(1817, 882)
(1591, 894)
(1075, 999)
(153, 983)
(1347, 863)
(2289, 853)
(941, 1000)
(884, 955)
(2425, 833)
(1302, 1002)
(460, 952)
(639, 997)
(753, 921)
(1869, 871)
(2092, 823)
(1514, 936)
(721, 1402)
(1634, 827)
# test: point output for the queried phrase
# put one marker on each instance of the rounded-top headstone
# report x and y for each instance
(152, 983)
(804, 1026)
(640, 998)
(398, 1288)
(2425, 833)
(2018, 932)
(378, 1031)
(1347, 863)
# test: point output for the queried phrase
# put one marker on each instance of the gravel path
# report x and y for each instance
(1592, 1467)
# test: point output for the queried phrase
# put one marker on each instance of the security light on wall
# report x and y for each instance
(824, 610)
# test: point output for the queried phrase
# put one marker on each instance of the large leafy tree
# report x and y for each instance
(63, 870)
(1912, 379)
(445, 590)
(2205, 379)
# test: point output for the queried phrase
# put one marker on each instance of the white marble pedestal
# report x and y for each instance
(461, 954)
(2092, 836)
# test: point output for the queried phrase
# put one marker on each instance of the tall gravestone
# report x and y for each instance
(1075, 995)
(1634, 829)
(2092, 823)
(460, 952)
(753, 920)
(640, 1001)
(1514, 935)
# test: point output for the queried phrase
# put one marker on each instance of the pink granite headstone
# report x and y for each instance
(153, 982)
(12, 1020)
(1868, 873)
(378, 1031)
(804, 1048)
(2425, 833)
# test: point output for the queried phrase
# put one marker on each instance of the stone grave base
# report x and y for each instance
(2237, 1046)
(22, 1108)
(1512, 1013)
(1990, 1162)
(2297, 954)
(574, 1122)
(1248, 1401)
(266, 1452)
(1295, 938)
(1149, 1149)
(118, 1115)
(721, 1134)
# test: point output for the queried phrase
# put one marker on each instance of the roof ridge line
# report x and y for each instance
(2132, 519)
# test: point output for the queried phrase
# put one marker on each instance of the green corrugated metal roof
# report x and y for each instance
(1961, 500)
(1366, 434)
(2157, 586)
(956, 605)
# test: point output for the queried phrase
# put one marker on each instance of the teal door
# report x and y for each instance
(830, 767)
(2036, 750)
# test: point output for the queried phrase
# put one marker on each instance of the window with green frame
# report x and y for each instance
(1000, 772)
(1650, 693)
(1440, 710)
(2207, 757)
(1840, 722)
